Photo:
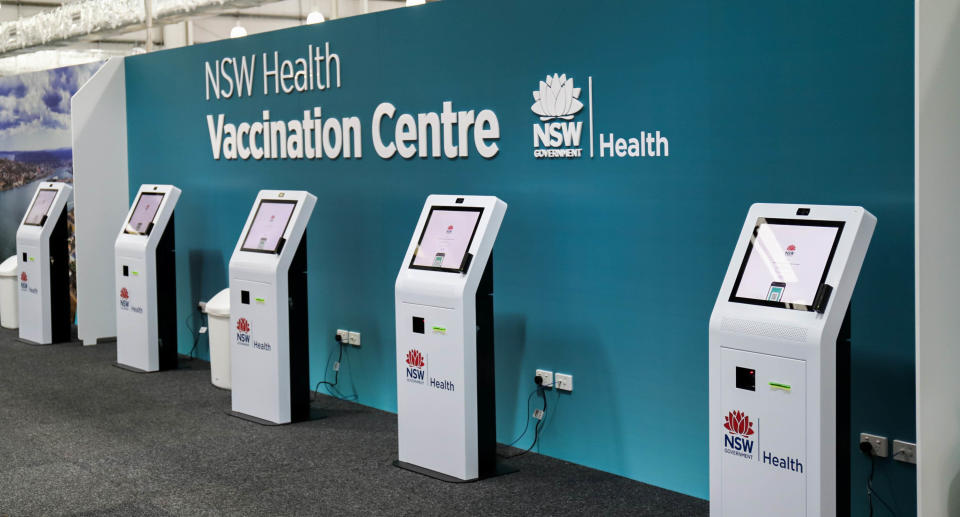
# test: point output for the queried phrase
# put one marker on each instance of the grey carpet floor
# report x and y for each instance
(79, 436)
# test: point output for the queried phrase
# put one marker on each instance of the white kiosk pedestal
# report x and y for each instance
(444, 308)
(270, 371)
(779, 363)
(146, 280)
(45, 267)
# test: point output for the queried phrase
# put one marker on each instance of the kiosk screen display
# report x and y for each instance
(786, 262)
(446, 237)
(40, 207)
(268, 225)
(143, 213)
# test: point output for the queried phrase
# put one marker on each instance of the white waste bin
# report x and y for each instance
(218, 315)
(9, 304)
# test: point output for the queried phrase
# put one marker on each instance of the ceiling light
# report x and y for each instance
(238, 31)
(415, 2)
(315, 17)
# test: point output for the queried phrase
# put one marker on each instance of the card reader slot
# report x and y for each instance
(822, 297)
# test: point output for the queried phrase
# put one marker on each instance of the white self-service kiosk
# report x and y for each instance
(270, 369)
(44, 253)
(444, 306)
(146, 280)
(780, 362)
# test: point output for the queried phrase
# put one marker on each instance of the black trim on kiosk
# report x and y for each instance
(843, 416)
(60, 321)
(486, 392)
(299, 334)
(167, 296)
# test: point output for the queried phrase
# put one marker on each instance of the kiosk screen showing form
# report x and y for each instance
(144, 213)
(40, 207)
(786, 262)
(268, 226)
(446, 238)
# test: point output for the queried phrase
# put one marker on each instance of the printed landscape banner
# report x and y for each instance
(35, 146)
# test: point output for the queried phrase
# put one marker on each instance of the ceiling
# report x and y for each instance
(203, 21)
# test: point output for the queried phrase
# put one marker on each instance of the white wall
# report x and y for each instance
(100, 196)
(938, 257)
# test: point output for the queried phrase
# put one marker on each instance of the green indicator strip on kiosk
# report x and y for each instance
(259, 300)
(440, 329)
(779, 386)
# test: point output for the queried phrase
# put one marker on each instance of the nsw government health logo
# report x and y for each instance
(557, 102)
(737, 440)
(416, 365)
(565, 128)
(243, 332)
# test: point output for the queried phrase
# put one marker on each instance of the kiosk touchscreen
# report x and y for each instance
(44, 293)
(780, 362)
(444, 310)
(268, 310)
(146, 282)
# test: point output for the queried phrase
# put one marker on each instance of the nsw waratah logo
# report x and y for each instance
(557, 102)
(736, 422)
(125, 299)
(243, 332)
(791, 249)
(738, 438)
(415, 366)
(556, 98)
(23, 277)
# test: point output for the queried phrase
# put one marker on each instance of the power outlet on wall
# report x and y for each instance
(905, 451)
(344, 336)
(563, 381)
(879, 443)
(353, 338)
(547, 377)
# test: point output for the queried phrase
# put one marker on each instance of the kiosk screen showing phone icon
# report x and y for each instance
(776, 291)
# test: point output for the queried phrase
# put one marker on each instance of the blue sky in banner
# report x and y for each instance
(35, 107)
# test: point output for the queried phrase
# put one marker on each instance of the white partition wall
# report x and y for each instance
(937, 246)
(101, 195)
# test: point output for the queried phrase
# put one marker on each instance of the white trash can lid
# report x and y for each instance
(9, 267)
(219, 305)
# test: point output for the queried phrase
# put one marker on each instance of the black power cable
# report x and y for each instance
(867, 449)
(527, 425)
(195, 332)
(336, 370)
(539, 425)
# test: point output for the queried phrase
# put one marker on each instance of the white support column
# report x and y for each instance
(101, 197)
(937, 155)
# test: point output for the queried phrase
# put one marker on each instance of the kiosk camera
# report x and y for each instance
(45, 267)
(779, 362)
(444, 306)
(146, 274)
(268, 310)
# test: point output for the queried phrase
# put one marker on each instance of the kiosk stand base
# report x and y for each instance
(135, 369)
(315, 414)
(34, 343)
(500, 470)
(130, 368)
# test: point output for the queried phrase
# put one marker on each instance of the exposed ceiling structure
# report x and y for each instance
(42, 34)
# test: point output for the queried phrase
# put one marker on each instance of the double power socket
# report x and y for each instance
(348, 337)
(561, 381)
(902, 451)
